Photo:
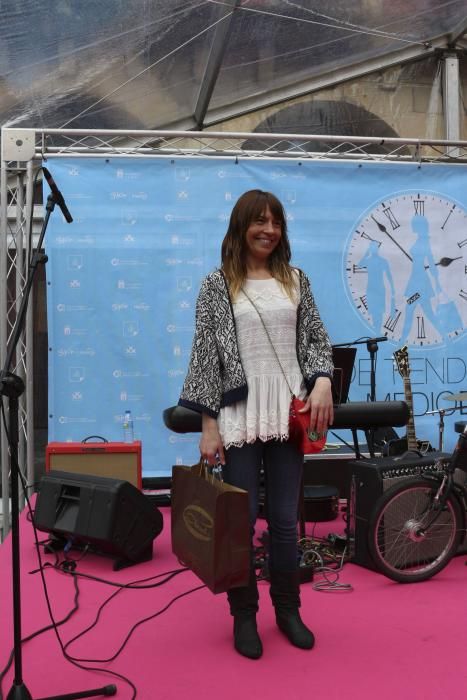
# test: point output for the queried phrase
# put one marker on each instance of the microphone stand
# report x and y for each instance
(12, 386)
(372, 347)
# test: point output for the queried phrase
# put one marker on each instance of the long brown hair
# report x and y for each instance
(249, 207)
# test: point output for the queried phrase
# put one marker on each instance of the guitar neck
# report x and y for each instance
(412, 444)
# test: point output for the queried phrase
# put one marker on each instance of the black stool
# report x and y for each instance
(317, 504)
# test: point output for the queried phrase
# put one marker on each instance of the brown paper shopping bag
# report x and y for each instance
(210, 527)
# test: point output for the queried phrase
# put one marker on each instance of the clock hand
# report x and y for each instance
(444, 262)
(383, 229)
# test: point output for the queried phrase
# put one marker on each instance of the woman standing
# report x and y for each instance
(259, 338)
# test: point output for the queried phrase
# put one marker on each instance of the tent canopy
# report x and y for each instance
(191, 64)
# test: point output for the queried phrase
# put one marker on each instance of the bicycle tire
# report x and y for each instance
(399, 546)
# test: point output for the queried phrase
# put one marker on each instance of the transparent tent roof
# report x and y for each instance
(190, 64)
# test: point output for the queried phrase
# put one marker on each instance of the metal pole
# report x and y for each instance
(451, 92)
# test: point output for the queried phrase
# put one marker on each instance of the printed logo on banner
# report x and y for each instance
(233, 173)
(184, 284)
(128, 262)
(126, 284)
(179, 351)
(182, 438)
(71, 330)
(125, 374)
(75, 262)
(74, 307)
(76, 374)
(177, 218)
(129, 217)
(172, 373)
(182, 174)
(179, 241)
(122, 174)
(172, 328)
(130, 329)
(66, 420)
(289, 196)
(68, 352)
(127, 397)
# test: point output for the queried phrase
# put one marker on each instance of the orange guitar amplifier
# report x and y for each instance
(116, 460)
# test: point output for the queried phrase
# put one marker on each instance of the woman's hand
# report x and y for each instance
(320, 405)
(210, 445)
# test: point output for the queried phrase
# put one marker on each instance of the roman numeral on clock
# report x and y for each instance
(419, 206)
(421, 328)
(364, 303)
(362, 234)
(392, 322)
(392, 219)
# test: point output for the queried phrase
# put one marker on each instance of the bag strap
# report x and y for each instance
(269, 338)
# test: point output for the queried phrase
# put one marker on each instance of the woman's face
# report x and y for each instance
(263, 236)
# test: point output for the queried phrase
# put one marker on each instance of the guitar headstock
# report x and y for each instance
(401, 357)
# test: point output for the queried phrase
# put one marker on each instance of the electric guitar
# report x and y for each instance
(409, 443)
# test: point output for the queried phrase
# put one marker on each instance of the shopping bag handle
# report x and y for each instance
(208, 471)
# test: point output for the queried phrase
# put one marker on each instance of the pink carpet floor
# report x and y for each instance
(380, 640)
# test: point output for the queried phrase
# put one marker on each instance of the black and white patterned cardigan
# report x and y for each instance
(215, 376)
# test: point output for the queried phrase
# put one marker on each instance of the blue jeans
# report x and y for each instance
(283, 468)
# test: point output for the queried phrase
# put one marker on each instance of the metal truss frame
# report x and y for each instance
(82, 142)
(24, 150)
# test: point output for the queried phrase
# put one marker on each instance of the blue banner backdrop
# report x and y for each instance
(384, 245)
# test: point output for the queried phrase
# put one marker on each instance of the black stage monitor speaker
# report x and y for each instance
(110, 515)
(370, 478)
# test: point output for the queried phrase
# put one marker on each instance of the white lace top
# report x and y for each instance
(264, 414)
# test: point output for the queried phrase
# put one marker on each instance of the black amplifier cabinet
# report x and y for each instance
(370, 478)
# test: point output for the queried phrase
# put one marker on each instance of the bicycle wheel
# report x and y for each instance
(410, 539)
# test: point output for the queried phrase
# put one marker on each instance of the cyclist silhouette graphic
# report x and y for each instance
(423, 290)
(380, 281)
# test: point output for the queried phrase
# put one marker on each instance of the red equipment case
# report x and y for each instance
(116, 460)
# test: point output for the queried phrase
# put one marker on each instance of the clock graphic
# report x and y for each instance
(405, 267)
